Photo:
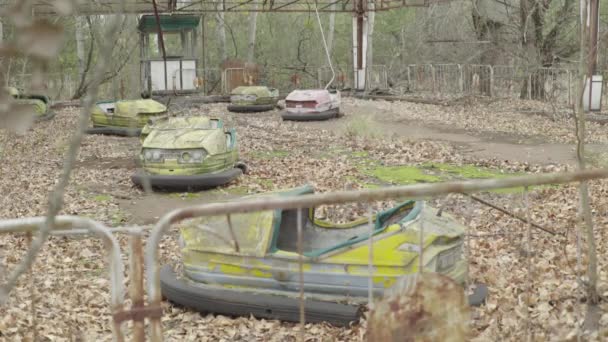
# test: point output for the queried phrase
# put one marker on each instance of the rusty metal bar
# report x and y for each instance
(301, 335)
(241, 4)
(67, 223)
(370, 258)
(417, 191)
(136, 291)
(144, 6)
(138, 314)
(285, 5)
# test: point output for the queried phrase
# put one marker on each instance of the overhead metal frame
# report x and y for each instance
(358, 8)
(193, 7)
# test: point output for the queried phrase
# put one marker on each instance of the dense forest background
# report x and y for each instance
(512, 32)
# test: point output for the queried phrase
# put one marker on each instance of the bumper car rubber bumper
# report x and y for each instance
(120, 131)
(311, 116)
(250, 108)
(177, 182)
(46, 116)
(233, 302)
(229, 301)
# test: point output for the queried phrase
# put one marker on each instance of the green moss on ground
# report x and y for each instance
(597, 159)
(433, 172)
(119, 218)
(237, 190)
(269, 154)
(102, 198)
(403, 175)
(466, 171)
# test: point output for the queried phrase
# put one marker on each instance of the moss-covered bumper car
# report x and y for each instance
(126, 117)
(186, 153)
(312, 105)
(262, 278)
(41, 105)
(253, 99)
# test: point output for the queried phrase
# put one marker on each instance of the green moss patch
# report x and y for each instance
(360, 154)
(403, 175)
(102, 198)
(270, 154)
(466, 171)
(119, 218)
(597, 159)
(434, 172)
(237, 190)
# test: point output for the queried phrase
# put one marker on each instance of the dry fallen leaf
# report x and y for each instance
(72, 299)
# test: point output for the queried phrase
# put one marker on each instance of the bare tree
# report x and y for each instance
(592, 317)
(121, 51)
(332, 28)
(253, 16)
(221, 32)
(80, 49)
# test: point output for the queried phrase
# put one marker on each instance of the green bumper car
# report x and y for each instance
(41, 105)
(125, 118)
(249, 99)
(188, 153)
(262, 277)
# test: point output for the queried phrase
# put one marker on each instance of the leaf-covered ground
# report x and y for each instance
(69, 284)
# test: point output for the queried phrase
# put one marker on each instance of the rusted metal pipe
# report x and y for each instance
(417, 191)
(67, 223)
(136, 290)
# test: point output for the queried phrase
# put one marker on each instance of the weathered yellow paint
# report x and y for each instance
(12, 91)
(257, 258)
(127, 113)
(133, 108)
(239, 270)
(253, 232)
(385, 251)
(214, 140)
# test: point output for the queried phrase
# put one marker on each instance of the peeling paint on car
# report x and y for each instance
(260, 264)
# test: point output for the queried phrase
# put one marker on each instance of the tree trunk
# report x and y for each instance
(536, 82)
(592, 316)
(253, 16)
(80, 53)
(332, 26)
(221, 33)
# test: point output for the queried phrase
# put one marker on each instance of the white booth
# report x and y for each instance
(173, 71)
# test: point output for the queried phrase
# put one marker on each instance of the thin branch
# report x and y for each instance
(56, 196)
(513, 215)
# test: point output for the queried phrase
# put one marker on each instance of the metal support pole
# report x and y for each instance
(529, 86)
(360, 44)
(594, 28)
(433, 80)
(570, 102)
(203, 49)
(161, 40)
(460, 79)
(409, 79)
(491, 81)
(137, 284)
